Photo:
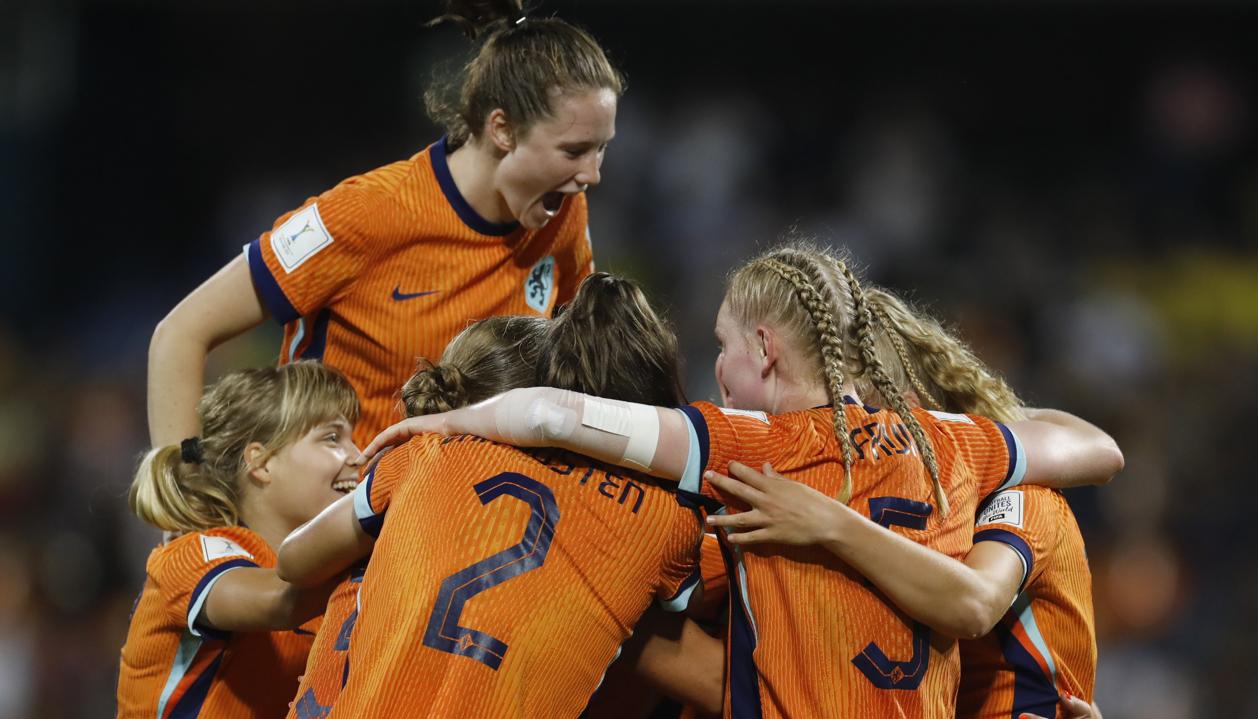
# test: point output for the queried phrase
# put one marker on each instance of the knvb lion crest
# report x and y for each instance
(540, 283)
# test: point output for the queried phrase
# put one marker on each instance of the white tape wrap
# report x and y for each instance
(639, 423)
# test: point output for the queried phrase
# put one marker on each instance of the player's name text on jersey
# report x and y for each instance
(609, 482)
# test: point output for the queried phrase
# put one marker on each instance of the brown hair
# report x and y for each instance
(938, 366)
(489, 357)
(275, 406)
(609, 342)
(522, 63)
(816, 298)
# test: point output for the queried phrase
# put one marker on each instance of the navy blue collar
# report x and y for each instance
(441, 167)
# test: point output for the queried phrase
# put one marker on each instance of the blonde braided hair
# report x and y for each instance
(831, 344)
(886, 387)
(943, 371)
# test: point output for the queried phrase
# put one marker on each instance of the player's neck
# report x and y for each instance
(794, 396)
(263, 521)
(472, 167)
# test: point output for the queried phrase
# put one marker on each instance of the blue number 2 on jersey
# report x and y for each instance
(887, 673)
(444, 632)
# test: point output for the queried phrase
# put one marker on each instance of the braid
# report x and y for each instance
(832, 357)
(873, 365)
(902, 352)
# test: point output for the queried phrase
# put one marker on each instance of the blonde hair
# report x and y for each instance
(274, 406)
(489, 357)
(817, 300)
(939, 367)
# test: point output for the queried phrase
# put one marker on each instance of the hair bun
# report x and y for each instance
(434, 388)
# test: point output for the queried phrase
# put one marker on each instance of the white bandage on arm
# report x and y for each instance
(536, 416)
(639, 423)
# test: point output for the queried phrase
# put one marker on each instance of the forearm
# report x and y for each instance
(1067, 451)
(221, 308)
(176, 374)
(324, 547)
(941, 592)
(650, 439)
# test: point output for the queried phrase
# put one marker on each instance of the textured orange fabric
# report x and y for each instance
(808, 635)
(504, 581)
(169, 669)
(387, 267)
(328, 664)
(1046, 644)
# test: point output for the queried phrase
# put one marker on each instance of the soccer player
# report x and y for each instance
(1027, 570)
(215, 632)
(808, 636)
(489, 357)
(503, 581)
(390, 265)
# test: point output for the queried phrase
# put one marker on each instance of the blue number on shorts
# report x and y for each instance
(873, 662)
(444, 632)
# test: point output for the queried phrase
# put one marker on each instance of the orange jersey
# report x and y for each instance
(1045, 645)
(808, 635)
(173, 667)
(387, 267)
(328, 665)
(504, 581)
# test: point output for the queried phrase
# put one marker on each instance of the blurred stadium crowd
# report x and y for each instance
(1075, 187)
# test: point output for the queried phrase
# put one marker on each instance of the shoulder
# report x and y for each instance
(185, 559)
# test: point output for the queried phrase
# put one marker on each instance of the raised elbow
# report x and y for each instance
(1112, 461)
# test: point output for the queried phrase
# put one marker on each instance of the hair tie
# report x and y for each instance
(520, 20)
(191, 451)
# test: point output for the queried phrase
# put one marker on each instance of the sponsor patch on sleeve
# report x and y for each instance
(1004, 508)
(213, 548)
(950, 417)
(300, 238)
(745, 413)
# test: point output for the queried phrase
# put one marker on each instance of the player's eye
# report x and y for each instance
(332, 437)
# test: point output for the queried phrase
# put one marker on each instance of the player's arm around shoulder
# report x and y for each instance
(1063, 450)
(325, 546)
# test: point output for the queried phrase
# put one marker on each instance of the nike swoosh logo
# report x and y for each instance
(402, 296)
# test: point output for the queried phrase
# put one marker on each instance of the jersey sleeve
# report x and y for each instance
(1028, 520)
(375, 491)
(988, 447)
(719, 436)
(191, 565)
(314, 253)
(575, 260)
(681, 574)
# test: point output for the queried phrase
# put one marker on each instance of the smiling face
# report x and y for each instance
(740, 365)
(311, 473)
(558, 156)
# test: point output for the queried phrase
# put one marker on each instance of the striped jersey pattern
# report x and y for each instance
(808, 636)
(504, 581)
(387, 267)
(328, 664)
(173, 668)
(1045, 646)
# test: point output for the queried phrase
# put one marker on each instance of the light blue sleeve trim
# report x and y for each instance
(362, 501)
(1018, 460)
(692, 476)
(195, 610)
(679, 601)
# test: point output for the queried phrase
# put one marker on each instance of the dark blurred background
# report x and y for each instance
(1074, 186)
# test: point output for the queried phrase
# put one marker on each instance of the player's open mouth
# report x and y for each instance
(551, 202)
(345, 486)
